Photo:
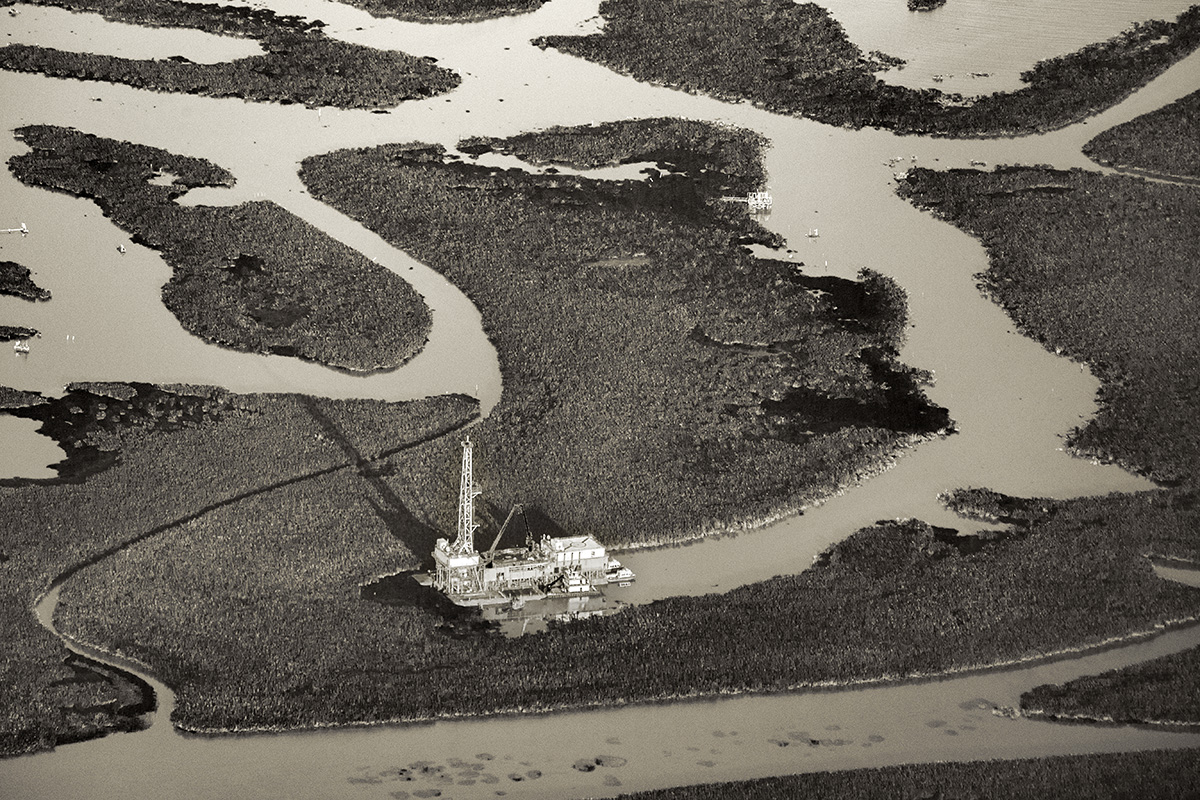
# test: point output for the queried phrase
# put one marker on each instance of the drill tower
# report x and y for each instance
(464, 544)
(564, 565)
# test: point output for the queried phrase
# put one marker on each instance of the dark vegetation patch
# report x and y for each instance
(796, 59)
(15, 398)
(9, 333)
(253, 277)
(1151, 774)
(895, 600)
(15, 280)
(1101, 268)
(1166, 141)
(300, 64)
(174, 455)
(643, 403)
(925, 5)
(84, 422)
(1161, 690)
(706, 158)
(445, 10)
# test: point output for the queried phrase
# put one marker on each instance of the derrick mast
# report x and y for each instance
(465, 543)
(458, 568)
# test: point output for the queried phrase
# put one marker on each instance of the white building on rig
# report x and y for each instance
(563, 565)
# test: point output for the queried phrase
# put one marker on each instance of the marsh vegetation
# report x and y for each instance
(147, 462)
(17, 281)
(796, 59)
(660, 382)
(894, 601)
(300, 64)
(1161, 691)
(445, 10)
(253, 276)
(1101, 268)
(1165, 142)
(1160, 774)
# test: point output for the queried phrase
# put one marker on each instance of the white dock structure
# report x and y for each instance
(563, 565)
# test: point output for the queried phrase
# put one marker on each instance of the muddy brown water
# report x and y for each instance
(1012, 401)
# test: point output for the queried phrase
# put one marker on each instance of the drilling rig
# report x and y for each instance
(565, 565)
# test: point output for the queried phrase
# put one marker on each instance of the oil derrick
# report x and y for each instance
(464, 544)
(458, 566)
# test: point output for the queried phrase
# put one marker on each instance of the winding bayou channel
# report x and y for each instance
(1012, 402)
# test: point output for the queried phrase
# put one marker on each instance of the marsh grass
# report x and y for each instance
(1100, 268)
(1158, 774)
(300, 65)
(1164, 142)
(163, 459)
(651, 364)
(16, 281)
(252, 277)
(796, 59)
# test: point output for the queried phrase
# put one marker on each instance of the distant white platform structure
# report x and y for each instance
(758, 201)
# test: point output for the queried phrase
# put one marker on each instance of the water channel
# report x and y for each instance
(1012, 401)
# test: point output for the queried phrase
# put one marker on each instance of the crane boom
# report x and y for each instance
(491, 551)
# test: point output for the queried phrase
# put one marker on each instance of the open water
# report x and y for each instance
(1012, 401)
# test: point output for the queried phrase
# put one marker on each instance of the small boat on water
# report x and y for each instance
(21, 347)
(615, 573)
(813, 234)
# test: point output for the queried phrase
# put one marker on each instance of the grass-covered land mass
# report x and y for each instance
(925, 5)
(15, 398)
(146, 462)
(16, 281)
(1162, 691)
(892, 601)
(1165, 142)
(1101, 268)
(300, 63)
(445, 10)
(9, 333)
(713, 159)
(252, 277)
(660, 382)
(796, 59)
(1157, 774)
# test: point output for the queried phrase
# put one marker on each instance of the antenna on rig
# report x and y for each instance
(467, 492)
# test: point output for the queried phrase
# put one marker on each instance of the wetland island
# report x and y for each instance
(798, 441)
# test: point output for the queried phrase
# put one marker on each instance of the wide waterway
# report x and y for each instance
(1012, 402)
